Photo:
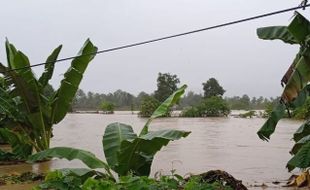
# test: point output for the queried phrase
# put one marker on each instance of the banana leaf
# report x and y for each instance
(301, 159)
(164, 108)
(10, 53)
(19, 60)
(298, 80)
(86, 157)
(70, 83)
(49, 68)
(20, 142)
(302, 131)
(299, 144)
(137, 155)
(299, 28)
(8, 106)
(276, 33)
(278, 113)
(21, 87)
(114, 134)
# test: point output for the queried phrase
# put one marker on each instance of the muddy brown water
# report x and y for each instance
(229, 144)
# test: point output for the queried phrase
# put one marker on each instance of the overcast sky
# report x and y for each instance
(234, 55)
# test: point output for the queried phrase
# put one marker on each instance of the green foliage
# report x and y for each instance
(195, 183)
(28, 109)
(190, 99)
(296, 91)
(302, 131)
(136, 155)
(60, 180)
(27, 177)
(107, 107)
(148, 106)
(301, 159)
(216, 106)
(48, 91)
(212, 88)
(114, 135)
(125, 101)
(70, 154)
(276, 33)
(69, 85)
(91, 101)
(19, 141)
(68, 179)
(193, 111)
(166, 85)
(302, 112)
(249, 114)
(268, 110)
(213, 105)
(125, 151)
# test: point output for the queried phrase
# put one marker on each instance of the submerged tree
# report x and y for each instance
(166, 84)
(148, 106)
(212, 88)
(29, 115)
(212, 105)
(107, 107)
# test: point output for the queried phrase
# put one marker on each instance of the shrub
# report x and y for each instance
(148, 106)
(191, 112)
(107, 107)
(215, 106)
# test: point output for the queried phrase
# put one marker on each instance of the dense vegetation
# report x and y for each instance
(78, 180)
(124, 101)
(296, 88)
(211, 105)
(28, 108)
(107, 107)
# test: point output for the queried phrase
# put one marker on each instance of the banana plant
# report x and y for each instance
(27, 115)
(125, 151)
(296, 87)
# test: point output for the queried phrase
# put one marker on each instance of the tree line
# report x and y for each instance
(166, 84)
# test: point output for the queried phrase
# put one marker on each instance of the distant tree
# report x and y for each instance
(139, 98)
(80, 100)
(48, 91)
(267, 111)
(302, 112)
(212, 88)
(245, 101)
(260, 100)
(192, 111)
(215, 106)
(166, 85)
(107, 107)
(254, 102)
(148, 106)
(123, 99)
(190, 99)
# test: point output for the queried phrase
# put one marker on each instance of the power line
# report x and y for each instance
(171, 36)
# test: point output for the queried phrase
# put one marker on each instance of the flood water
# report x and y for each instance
(229, 144)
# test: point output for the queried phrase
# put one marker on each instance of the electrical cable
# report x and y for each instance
(171, 36)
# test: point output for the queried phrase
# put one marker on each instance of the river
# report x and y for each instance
(229, 144)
